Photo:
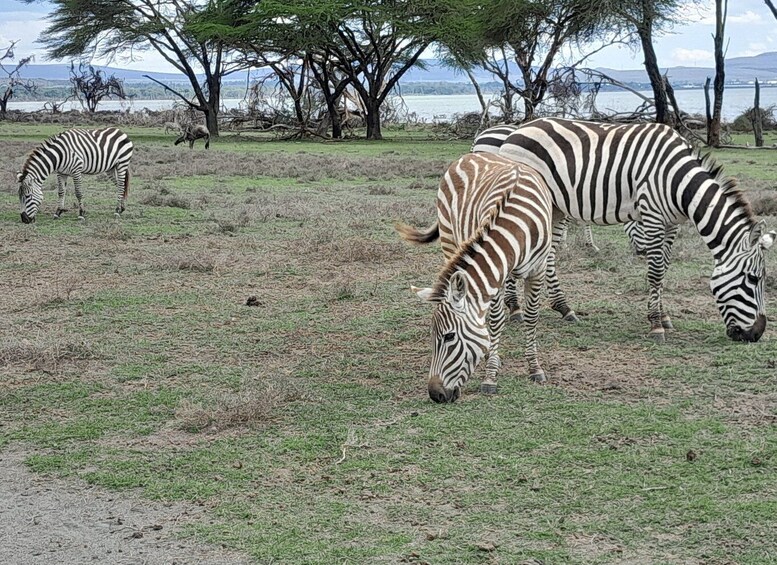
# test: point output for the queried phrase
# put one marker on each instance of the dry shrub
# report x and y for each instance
(44, 354)
(250, 407)
(353, 250)
(169, 200)
(197, 262)
(764, 202)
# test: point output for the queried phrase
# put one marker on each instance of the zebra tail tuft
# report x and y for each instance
(416, 236)
(207, 142)
(126, 184)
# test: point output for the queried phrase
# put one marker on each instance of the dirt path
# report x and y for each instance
(53, 521)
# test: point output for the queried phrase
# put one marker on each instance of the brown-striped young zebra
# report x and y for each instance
(611, 174)
(74, 153)
(494, 220)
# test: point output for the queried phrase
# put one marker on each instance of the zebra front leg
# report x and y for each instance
(77, 188)
(669, 237)
(496, 324)
(532, 289)
(556, 296)
(511, 300)
(656, 256)
(61, 191)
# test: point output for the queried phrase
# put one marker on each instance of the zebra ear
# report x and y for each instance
(424, 294)
(19, 176)
(457, 288)
(755, 233)
(767, 239)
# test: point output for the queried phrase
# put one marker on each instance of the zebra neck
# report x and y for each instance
(43, 161)
(722, 218)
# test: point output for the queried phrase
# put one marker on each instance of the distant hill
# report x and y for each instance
(738, 70)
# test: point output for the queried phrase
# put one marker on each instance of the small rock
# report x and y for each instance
(486, 546)
(253, 301)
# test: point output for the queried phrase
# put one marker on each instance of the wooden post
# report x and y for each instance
(757, 125)
(708, 107)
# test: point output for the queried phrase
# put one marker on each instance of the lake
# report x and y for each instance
(440, 108)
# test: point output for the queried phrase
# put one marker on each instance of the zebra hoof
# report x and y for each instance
(516, 317)
(81, 218)
(488, 388)
(570, 317)
(116, 215)
(667, 324)
(56, 216)
(538, 377)
(658, 336)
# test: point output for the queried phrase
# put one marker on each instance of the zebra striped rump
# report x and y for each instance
(494, 220)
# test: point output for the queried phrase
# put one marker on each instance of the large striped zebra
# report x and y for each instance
(490, 140)
(74, 153)
(494, 219)
(610, 174)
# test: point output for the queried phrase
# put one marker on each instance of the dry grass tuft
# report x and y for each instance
(196, 262)
(250, 407)
(353, 250)
(381, 191)
(168, 200)
(764, 202)
(44, 355)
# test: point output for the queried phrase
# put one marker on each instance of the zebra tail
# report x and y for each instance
(126, 184)
(207, 142)
(416, 236)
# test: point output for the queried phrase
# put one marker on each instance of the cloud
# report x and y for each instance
(748, 17)
(692, 57)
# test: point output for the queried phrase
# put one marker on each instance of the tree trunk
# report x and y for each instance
(212, 119)
(757, 124)
(654, 74)
(373, 119)
(713, 137)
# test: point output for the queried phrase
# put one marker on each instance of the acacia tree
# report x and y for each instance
(12, 79)
(646, 19)
(365, 44)
(91, 86)
(107, 28)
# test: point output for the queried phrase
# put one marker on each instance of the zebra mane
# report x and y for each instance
(467, 249)
(36, 151)
(728, 185)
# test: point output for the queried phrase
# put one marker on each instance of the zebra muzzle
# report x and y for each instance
(751, 334)
(441, 395)
(27, 219)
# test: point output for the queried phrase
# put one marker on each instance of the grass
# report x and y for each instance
(131, 359)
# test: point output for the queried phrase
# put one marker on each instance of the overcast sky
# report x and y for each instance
(751, 30)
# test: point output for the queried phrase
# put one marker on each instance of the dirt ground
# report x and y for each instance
(44, 520)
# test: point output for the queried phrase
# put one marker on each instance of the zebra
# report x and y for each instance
(610, 174)
(74, 153)
(193, 133)
(494, 220)
(490, 140)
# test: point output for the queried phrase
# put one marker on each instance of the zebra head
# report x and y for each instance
(30, 196)
(738, 286)
(460, 338)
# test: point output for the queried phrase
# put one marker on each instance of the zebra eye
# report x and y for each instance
(448, 337)
(752, 279)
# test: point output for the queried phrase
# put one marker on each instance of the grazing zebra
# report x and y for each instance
(610, 174)
(193, 133)
(490, 140)
(74, 153)
(494, 220)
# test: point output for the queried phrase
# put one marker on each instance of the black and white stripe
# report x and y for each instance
(610, 174)
(74, 153)
(494, 221)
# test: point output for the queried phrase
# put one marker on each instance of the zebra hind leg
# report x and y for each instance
(556, 296)
(532, 291)
(511, 301)
(496, 324)
(61, 191)
(589, 239)
(79, 196)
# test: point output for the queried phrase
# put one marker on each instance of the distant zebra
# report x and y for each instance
(193, 133)
(494, 220)
(610, 174)
(74, 153)
(490, 140)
